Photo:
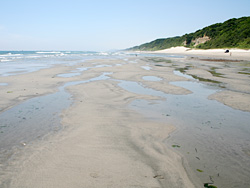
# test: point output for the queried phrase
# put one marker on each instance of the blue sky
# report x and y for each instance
(106, 24)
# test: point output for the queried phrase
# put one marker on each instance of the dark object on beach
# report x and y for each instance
(159, 176)
(227, 51)
(207, 185)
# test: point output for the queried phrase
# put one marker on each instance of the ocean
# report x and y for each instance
(20, 62)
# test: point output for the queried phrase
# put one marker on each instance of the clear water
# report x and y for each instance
(32, 120)
(3, 84)
(146, 67)
(213, 137)
(151, 78)
(27, 119)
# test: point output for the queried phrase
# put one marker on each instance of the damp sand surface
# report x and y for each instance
(115, 111)
(213, 137)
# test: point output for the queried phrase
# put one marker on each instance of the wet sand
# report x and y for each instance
(104, 142)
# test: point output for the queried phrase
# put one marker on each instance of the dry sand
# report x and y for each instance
(104, 143)
(235, 54)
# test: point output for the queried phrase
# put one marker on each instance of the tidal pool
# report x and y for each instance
(146, 67)
(151, 78)
(33, 119)
(211, 136)
(78, 71)
(69, 75)
(3, 84)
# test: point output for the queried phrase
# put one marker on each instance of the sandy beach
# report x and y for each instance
(234, 54)
(218, 62)
(104, 142)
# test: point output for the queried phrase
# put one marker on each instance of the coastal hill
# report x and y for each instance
(233, 33)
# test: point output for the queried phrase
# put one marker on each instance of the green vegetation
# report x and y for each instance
(199, 170)
(204, 79)
(176, 146)
(247, 73)
(233, 33)
(159, 60)
(214, 73)
(160, 44)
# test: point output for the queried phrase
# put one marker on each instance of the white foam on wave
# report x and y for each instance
(33, 56)
(48, 52)
(103, 53)
(4, 60)
(10, 55)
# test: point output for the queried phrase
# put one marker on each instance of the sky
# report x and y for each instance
(101, 25)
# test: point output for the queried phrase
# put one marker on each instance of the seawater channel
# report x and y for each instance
(32, 120)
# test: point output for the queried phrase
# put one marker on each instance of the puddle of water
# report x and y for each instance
(151, 78)
(100, 66)
(3, 84)
(26, 122)
(101, 77)
(213, 137)
(183, 75)
(81, 69)
(69, 75)
(133, 61)
(146, 67)
(138, 88)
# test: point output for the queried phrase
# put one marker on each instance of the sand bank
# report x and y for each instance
(104, 143)
(234, 54)
(108, 146)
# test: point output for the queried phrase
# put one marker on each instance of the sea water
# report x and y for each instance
(21, 62)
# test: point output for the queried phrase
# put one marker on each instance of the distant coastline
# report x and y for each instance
(233, 33)
(226, 54)
(233, 54)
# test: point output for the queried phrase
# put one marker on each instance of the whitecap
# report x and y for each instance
(4, 60)
(48, 52)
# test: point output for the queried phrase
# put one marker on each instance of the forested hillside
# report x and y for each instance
(233, 33)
